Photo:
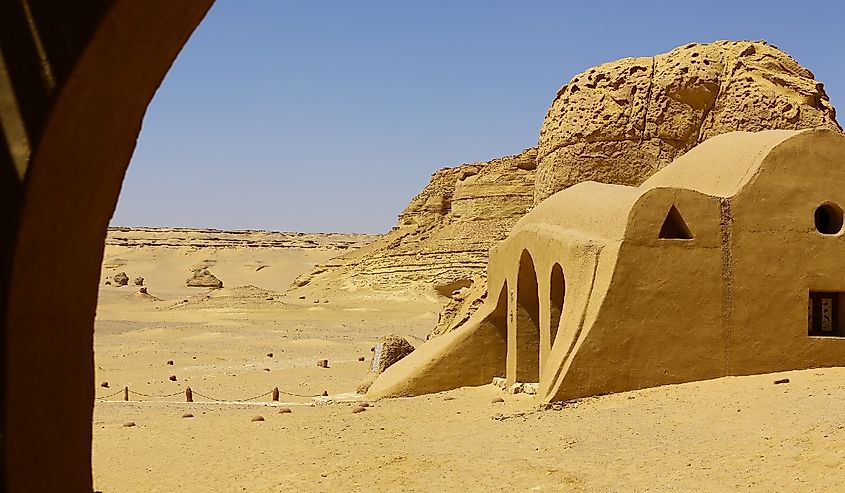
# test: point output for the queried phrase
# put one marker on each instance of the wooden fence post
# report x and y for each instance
(275, 394)
(125, 393)
(189, 396)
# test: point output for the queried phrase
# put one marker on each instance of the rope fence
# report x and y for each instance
(189, 395)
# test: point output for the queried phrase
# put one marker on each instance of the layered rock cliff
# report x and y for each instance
(443, 237)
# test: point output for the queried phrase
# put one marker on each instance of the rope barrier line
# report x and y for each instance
(296, 395)
(182, 392)
(232, 400)
(110, 395)
(156, 396)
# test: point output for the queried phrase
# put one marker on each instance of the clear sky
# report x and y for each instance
(331, 115)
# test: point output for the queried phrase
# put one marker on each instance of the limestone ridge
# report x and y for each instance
(622, 121)
(216, 238)
(443, 237)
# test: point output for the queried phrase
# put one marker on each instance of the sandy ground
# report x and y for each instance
(732, 434)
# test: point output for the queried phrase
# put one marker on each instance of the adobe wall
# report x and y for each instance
(779, 256)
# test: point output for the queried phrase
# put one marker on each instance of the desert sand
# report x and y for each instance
(740, 433)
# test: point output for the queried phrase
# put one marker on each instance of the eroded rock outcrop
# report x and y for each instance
(203, 278)
(443, 237)
(622, 121)
(388, 351)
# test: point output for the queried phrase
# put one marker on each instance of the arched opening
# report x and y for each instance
(527, 342)
(557, 294)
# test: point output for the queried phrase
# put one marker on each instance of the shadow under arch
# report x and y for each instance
(525, 340)
(557, 294)
(81, 134)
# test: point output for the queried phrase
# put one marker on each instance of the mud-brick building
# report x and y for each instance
(729, 261)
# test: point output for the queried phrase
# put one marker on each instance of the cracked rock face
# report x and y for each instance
(622, 121)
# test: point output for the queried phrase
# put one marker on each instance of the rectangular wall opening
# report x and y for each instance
(823, 317)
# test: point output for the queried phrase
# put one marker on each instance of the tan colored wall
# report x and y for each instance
(779, 257)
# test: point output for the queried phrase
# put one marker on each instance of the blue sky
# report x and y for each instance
(331, 115)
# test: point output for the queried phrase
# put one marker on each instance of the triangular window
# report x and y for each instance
(674, 227)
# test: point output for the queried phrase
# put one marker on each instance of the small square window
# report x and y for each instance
(823, 314)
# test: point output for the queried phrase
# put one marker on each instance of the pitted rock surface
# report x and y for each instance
(622, 121)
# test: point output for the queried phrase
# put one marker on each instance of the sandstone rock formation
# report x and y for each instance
(622, 121)
(388, 351)
(618, 123)
(202, 278)
(443, 237)
(121, 279)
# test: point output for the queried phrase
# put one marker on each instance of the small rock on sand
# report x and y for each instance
(361, 358)
(285, 410)
(497, 400)
(358, 409)
(128, 424)
(269, 355)
(139, 281)
(121, 279)
(104, 385)
(187, 415)
(170, 362)
(325, 393)
(172, 378)
(257, 418)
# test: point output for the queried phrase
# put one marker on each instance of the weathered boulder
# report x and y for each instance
(622, 121)
(388, 351)
(139, 281)
(202, 278)
(121, 279)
